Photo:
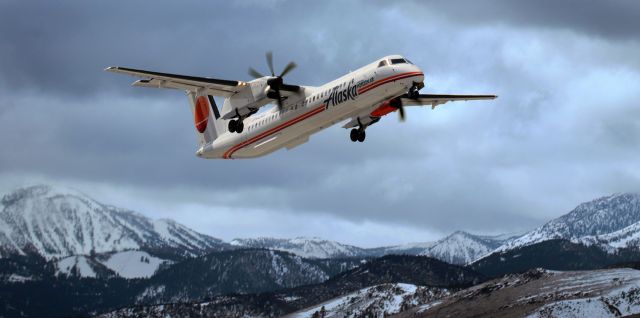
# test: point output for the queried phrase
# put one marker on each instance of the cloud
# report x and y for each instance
(618, 20)
(563, 130)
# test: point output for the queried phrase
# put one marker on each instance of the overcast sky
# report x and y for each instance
(565, 129)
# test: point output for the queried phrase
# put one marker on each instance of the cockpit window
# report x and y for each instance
(398, 61)
(408, 61)
(382, 63)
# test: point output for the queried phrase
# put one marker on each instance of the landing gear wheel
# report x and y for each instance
(413, 92)
(239, 127)
(361, 136)
(232, 125)
(354, 135)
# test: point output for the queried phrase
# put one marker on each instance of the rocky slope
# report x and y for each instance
(542, 293)
(379, 300)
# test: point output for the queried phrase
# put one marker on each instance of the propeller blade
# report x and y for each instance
(270, 62)
(279, 97)
(288, 68)
(254, 73)
(397, 104)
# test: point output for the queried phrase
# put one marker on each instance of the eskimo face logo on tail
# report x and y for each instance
(201, 114)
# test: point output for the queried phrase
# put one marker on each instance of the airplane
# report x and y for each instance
(238, 130)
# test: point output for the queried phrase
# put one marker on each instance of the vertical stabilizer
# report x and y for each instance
(206, 117)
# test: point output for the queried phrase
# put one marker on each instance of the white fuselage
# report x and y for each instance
(315, 108)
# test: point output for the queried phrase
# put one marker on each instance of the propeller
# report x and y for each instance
(276, 82)
(397, 104)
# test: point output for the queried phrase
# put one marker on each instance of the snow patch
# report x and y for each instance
(15, 278)
(133, 264)
(384, 299)
(75, 266)
(620, 302)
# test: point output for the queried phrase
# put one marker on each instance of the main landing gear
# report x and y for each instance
(236, 126)
(357, 134)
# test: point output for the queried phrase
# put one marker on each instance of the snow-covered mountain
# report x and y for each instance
(595, 218)
(59, 222)
(463, 248)
(627, 237)
(457, 248)
(306, 247)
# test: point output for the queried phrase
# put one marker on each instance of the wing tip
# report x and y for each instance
(111, 69)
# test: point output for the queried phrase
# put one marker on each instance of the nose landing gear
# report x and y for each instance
(414, 91)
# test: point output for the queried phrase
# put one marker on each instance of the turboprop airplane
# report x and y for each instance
(238, 130)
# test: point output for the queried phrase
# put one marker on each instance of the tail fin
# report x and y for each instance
(206, 117)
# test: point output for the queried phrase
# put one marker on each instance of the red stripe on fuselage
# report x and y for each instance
(383, 81)
(319, 109)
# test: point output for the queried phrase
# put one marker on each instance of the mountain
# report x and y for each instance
(458, 248)
(629, 237)
(56, 222)
(306, 247)
(601, 216)
(555, 254)
(416, 248)
(463, 248)
(32, 286)
(238, 271)
(435, 278)
(417, 270)
(542, 293)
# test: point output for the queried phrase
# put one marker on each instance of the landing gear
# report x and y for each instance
(362, 135)
(236, 126)
(414, 92)
(354, 135)
(357, 135)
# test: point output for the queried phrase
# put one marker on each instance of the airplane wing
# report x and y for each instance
(432, 100)
(438, 99)
(210, 86)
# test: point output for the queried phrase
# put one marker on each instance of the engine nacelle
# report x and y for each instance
(247, 101)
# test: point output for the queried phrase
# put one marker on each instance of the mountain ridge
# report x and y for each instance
(57, 222)
(594, 218)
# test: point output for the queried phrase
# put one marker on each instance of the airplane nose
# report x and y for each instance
(420, 78)
(417, 69)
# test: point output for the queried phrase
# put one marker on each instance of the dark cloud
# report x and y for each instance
(616, 19)
(563, 130)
